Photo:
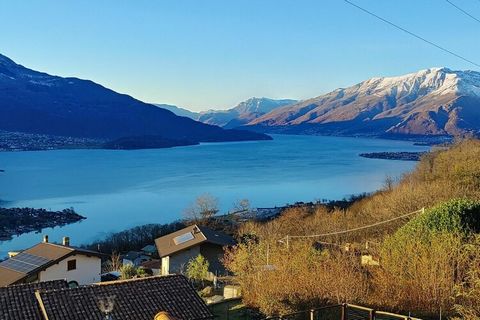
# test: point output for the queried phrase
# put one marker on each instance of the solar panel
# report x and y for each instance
(183, 238)
(24, 262)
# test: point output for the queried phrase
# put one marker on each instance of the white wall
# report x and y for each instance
(87, 271)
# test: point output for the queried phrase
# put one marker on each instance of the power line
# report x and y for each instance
(358, 228)
(464, 11)
(412, 34)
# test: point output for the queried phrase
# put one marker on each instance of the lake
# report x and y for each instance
(116, 190)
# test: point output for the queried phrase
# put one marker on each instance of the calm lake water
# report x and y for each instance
(116, 190)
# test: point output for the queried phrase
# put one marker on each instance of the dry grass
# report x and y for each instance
(277, 279)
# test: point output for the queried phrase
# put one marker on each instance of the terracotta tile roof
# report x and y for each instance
(167, 245)
(18, 302)
(139, 299)
(43, 254)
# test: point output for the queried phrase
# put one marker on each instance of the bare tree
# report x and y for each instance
(241, 205)
(204, 208)
(114, 264)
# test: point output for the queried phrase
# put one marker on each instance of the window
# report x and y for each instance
(71, 265)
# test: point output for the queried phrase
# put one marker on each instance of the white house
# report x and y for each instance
(49, 261)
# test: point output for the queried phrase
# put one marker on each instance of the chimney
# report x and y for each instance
(66, 241)
(45, 238)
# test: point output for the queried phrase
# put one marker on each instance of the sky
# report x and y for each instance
(212, 54)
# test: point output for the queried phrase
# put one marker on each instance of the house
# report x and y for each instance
(135, 258)
(18, 302)
(49, 261)
(161, 297)
(178, 248)
(149, 249)
(152, 267)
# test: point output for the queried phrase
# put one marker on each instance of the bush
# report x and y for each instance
(128, 271)
(424, 264)
(423, 261)
(197, 268)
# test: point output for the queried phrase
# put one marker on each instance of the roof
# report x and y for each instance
(18, 302)
(149, 248)
(152, 264)
(190, 236)
(35, 259)
(140, 299)
(132, 255)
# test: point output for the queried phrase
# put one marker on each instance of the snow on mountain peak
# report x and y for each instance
(437, 81)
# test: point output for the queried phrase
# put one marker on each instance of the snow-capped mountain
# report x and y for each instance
(243, 113)
(436, 101)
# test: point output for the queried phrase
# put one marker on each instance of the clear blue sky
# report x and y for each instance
(214, 53)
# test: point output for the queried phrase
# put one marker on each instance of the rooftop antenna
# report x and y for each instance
(106, 305)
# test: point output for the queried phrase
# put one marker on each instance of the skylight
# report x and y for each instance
(183, 238)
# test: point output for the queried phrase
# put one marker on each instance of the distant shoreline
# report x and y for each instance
(18, 141)
(402, 156)
(17, 221)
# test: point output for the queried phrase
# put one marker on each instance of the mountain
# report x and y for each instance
(182, 112)
(243, 113)
(36, 102)
(436, 101)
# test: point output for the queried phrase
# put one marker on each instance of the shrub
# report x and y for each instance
(424, 260)
(197, 268)
(128, 271)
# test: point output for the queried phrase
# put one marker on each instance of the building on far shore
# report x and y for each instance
(178, 248)
(49, 261)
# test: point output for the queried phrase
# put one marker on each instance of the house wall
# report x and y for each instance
(178, 261)
(87, 271)
(213, 253)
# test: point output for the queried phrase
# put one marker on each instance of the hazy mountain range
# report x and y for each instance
(436, 101)
(241, 114)
(39, 103)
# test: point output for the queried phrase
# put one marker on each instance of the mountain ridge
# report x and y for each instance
(39, 103)
(435, 101)
(238, 115)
